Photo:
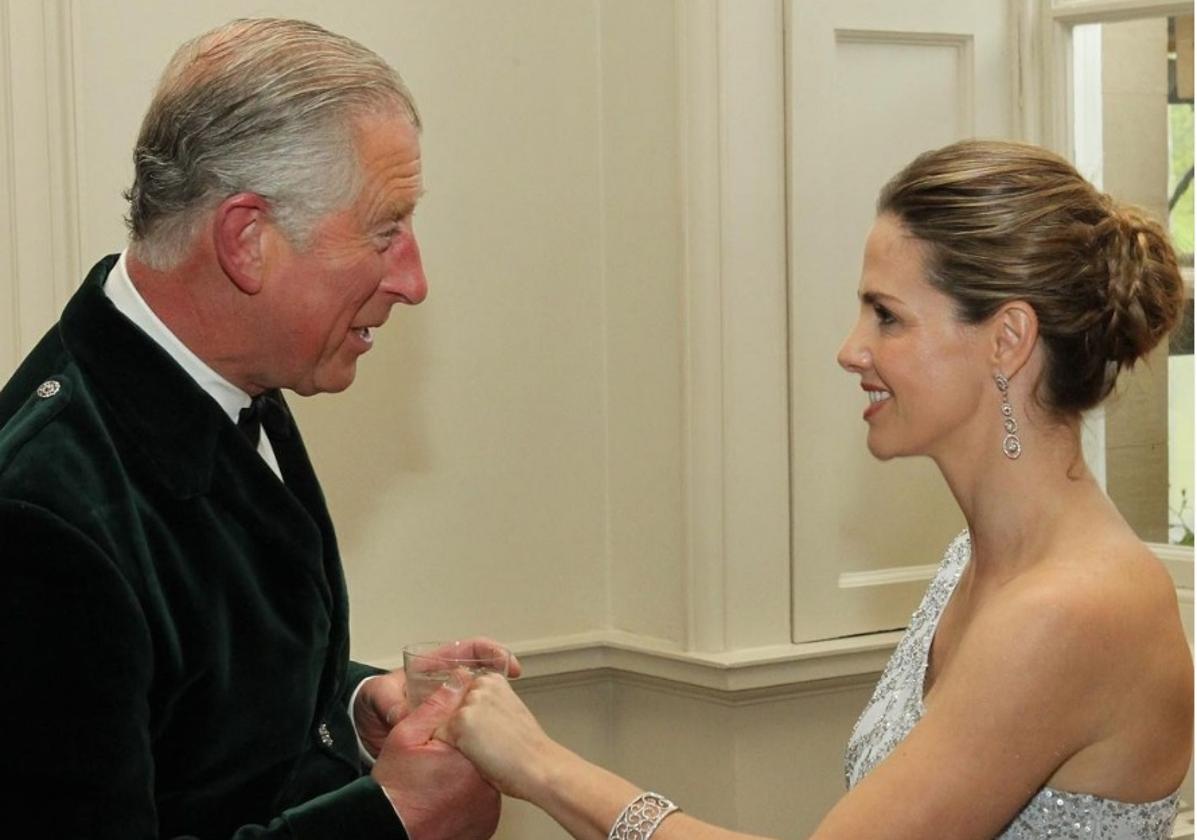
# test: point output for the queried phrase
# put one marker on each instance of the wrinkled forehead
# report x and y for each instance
(390, 165)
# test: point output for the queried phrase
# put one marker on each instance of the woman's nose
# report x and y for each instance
(853, 356)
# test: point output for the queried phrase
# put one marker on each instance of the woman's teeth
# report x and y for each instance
(367, 333)
(878, 396)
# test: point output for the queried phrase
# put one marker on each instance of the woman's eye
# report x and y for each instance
(884, 316)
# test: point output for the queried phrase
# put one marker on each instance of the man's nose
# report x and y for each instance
(405, 275)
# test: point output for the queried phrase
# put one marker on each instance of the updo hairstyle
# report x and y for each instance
(1002, 221)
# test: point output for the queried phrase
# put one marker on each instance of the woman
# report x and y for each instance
(1044, 687)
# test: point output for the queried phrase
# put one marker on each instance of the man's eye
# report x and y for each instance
(386, 237)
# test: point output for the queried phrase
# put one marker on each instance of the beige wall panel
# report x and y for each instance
(1134, 84)
(790, 759)
(37, 187)
(770, 765)
(678, 744)
(1135, 170)
(642, 308)
(754, 367)
(1137, 446)
(10, 301)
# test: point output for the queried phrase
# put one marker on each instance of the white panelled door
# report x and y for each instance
(871, 84)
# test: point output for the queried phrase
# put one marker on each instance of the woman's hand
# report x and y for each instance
(381, 701)
(495, 730)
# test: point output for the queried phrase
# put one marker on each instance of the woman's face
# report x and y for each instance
(924, 371)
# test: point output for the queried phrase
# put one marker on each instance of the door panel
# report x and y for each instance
(872, 84)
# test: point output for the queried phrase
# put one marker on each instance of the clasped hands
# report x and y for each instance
(444, 764)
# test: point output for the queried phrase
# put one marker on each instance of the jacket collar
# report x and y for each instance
(174, 423)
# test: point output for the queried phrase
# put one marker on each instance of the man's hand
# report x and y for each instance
(436, 790)
(381, 701)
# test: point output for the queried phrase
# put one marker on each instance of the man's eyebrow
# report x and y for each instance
(395, 212)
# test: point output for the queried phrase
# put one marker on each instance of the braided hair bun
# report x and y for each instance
(1143, 288)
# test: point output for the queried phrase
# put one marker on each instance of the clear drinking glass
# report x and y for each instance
(428, 665)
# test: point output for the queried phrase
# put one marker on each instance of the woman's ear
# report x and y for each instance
(238, 227)
(1015, 332)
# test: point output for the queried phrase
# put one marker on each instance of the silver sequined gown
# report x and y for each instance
(897, 705)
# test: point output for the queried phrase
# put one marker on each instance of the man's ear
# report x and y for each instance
(1014, 331)
(238, 227)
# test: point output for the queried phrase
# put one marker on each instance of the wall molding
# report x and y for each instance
(729, 698)
(962, 43)
(741, 674)
(1094, 11)
(10, 290)
(62, 135)
(1044, 52)
(39, 225)
(701, 183)
(735, 282)
(1178, 560)
(888, 576)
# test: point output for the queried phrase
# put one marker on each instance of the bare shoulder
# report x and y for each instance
(1092, 616)
(1042, 682)
(1127, 666)
(1113, 582)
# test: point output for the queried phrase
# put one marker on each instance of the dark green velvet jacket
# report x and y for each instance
(173, 619)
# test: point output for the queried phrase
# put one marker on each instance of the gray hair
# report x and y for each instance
(266, 106)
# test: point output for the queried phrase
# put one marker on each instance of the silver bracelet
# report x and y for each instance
(641, 818)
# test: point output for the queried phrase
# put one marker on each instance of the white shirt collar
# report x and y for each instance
(132, 305)
(229, 397)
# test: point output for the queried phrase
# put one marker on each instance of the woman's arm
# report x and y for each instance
(1021, 694)
(496, 731)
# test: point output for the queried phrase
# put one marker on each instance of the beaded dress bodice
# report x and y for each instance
(897, 705)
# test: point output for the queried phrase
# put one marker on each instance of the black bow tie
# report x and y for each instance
(266, 409)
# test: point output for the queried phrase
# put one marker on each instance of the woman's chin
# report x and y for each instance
(880, 450)
(887, 450)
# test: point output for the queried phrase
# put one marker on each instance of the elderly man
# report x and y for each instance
(174, 617)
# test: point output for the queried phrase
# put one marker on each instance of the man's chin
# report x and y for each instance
(326, 385)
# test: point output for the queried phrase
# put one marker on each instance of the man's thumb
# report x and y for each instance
(420, 726)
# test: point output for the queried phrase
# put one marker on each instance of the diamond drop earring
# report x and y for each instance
(1011, 445)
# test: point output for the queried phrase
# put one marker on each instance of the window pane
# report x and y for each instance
(1133, 113)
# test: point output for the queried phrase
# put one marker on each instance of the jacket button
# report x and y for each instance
(326, 737)
(48, 388)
